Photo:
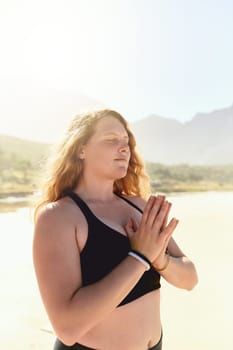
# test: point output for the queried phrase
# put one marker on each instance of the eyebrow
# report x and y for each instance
(115, 134)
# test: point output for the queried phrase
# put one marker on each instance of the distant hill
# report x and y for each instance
(22, 149)
(205, 140)
(21, 160)
(42, 112)
(20, 164)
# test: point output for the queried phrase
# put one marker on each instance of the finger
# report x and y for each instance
(147, 209)
(159, 219)
(165, 245)
(134, 225)
(129, 228)
(164, 224)
(158, 203)
(168, 231)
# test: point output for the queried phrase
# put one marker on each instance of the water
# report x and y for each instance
(205, 233)
(22, 313)
(200, 319)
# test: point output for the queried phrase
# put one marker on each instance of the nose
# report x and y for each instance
(124, 147)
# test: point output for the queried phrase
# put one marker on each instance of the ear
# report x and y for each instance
(81, 153)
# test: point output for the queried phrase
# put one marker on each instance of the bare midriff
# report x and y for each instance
(133, 326)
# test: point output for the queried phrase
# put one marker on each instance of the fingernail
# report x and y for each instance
(160, 196)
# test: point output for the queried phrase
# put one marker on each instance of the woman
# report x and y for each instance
(99, 246)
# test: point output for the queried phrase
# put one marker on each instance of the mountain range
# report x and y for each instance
(31, 110)
(207, 139)
(40, 113)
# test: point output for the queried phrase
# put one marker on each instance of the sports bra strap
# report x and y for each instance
(81, 204)
(128, 201)
(86, 210)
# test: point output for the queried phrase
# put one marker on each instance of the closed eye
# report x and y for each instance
(112, 140)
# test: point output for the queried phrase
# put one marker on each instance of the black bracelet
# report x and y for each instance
(141, 256)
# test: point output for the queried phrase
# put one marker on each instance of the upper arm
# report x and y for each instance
(56, 260)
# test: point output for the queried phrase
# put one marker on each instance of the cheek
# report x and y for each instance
(100, 153)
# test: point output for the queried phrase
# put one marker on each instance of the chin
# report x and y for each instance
(121, 174)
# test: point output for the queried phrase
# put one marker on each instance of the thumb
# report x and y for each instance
(129, 228)
(134, 225)
(168, 231)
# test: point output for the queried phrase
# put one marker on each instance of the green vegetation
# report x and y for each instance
(21, 160)
(189, 178)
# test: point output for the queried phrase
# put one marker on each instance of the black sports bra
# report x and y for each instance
(105, 249)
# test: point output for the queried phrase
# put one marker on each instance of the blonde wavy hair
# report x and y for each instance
(65, 169)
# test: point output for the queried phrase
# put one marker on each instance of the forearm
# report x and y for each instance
(180, 272)
(91, 304)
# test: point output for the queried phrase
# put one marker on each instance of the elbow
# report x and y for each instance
(66, 334)
(193, 281)
(191, 286)
(66, 339)
(69, 333)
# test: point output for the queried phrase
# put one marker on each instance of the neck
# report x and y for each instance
(95, 191)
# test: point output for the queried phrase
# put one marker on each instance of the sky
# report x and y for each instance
(140, 57)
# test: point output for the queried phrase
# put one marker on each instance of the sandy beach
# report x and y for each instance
(201, 319)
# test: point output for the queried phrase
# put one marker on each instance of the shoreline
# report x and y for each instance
(12, 201)
(25, 194)
(16, 194)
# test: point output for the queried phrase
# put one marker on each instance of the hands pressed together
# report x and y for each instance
(151, 236)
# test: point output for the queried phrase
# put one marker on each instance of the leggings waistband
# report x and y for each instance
(60, 346)
(158, 346)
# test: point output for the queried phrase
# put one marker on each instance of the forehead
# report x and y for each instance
(109, 125)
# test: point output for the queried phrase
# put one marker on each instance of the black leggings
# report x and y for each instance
(60, 346)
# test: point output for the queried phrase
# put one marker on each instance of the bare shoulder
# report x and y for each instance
(60, 223)
(59, 218)
(52, 228)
